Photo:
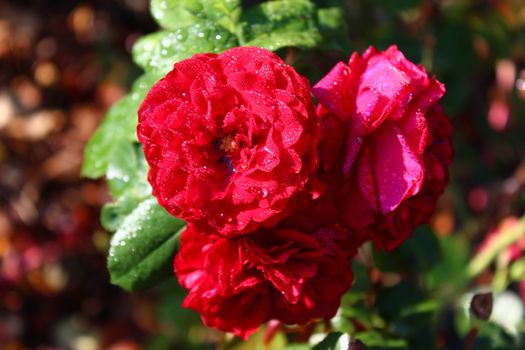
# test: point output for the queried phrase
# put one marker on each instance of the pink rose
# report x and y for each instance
(393, 161)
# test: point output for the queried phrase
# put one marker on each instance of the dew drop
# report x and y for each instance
(182, 34)
(166, 42)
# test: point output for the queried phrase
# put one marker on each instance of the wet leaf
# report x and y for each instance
(175, 14)
(333, 28)
(118, 126)
(142, 249)
(117, 131)
(158, 52)
(281, 23)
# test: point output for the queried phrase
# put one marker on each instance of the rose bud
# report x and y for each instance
(387, 144)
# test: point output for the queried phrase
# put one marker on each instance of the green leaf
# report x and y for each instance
(224, 12)
(517, 270)
(449, 275)
(127, 170)
(334, 28)
(413, 322)
(127, 182)
(113, 214)
(392, 302)
(175, 14)
(117, 129)
(493, 337)
(420, 253)
(329, 342)
(281, 23)
(119, 124)
(172, 316)
(141, 87)
(158, 52)
(142, 249)
(377, 341)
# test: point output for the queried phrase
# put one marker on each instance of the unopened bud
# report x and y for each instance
(356, 344)
(481, 306)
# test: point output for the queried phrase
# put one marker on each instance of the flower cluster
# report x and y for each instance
(278, 193)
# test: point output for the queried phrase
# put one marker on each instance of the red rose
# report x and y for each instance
(238, 284)
(230, 139)
(396, 144)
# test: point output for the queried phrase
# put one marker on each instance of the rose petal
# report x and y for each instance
(398, 173)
